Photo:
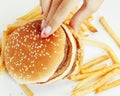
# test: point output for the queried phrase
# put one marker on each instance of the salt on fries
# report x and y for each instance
(105, 47)
(89, 70)
(96, 75)
(109, 30)
(27, 90)
(108, 86)
(95, 61)
(96, 85)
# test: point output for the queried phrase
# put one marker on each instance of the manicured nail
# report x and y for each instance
(48, 30)
(42, 33)
(45, 32)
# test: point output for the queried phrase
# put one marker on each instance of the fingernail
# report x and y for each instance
(45, 32)
(48, 30)
(42, 23)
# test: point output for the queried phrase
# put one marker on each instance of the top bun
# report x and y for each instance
(29, 58)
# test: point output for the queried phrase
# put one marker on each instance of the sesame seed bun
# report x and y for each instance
(31, 59)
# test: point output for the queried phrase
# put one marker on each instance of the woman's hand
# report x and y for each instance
(56, 11)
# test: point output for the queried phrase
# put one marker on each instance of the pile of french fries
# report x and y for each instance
(100, 75)
(96, 79)
(89, 78)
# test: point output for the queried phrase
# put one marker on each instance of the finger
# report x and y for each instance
(60, 15)
(88, 7)
(55, 4)
(79, 17)
(45, 6)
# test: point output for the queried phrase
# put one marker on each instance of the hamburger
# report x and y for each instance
(31, 59)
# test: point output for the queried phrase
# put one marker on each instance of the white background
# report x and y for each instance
(12, 9)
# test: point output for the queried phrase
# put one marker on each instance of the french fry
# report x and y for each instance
(0, 45)
(27, 90)
(109, 30)
(4, 37)
(96, 75)
(90, 26)
(83, 27)
(90, 18)
(2, 68)
(105, 47)
(11, 28)
(95, 61)
(89, 70)
(96, 85)
(77, 77)
(83, 36)
(108, 86)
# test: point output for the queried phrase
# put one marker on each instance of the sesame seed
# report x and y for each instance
(22, 69)
(30, 66)
(28, 58)
(32, 61)
(33, 25)
(49, 56)
(27, 30)
(55, 51)
(33, 65)
(32, 72)
(40, 54)
(41, 64)
(27, 26)
(44, 68)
